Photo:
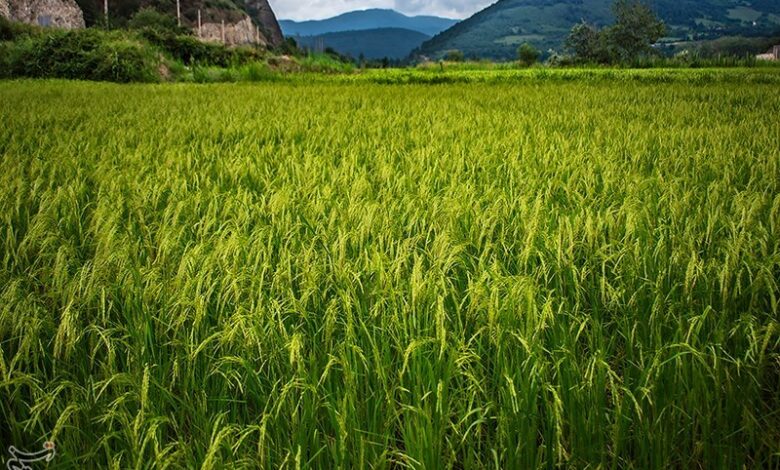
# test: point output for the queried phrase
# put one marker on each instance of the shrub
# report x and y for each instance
(635, 30)
(5, 52)
(192, 51)
(324, 63)
(148, 18)
(245, 55)
(85, 55)
(257, 72)
(213, 75)
(527, 54)
(454, 56)
(11, 30)
(187, 49)
(288, 47)
(125, 61)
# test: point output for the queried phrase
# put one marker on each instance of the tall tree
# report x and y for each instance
(635, 31)
(586, 43)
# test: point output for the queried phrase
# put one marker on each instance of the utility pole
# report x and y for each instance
(178, 12)
(200, 26)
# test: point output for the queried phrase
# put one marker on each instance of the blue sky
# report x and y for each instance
(319, 9)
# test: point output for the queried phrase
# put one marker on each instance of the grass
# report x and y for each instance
(533, 274)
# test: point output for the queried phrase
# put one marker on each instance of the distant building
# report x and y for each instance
(772, 54)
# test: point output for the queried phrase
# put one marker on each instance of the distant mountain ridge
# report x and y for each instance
(498, 30)
(364, 20)
(379, 43)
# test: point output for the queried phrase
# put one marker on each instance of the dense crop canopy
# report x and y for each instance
(364, 275)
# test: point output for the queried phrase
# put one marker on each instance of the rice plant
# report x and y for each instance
(563, 274)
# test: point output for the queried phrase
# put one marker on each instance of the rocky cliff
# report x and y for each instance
(233, 34)
(212, 12)
(264, 16)
(5, 10)
(54, 13)
(245, 21)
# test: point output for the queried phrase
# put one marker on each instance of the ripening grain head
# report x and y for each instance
(572, 274)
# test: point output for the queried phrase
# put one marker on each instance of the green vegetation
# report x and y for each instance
(632, 36)
(577, 272)
(731, 46)
(122, 11)
(150, 19)
(153, 49)
(88, 55)
(454, 55)
(527, 54)
(497, 31)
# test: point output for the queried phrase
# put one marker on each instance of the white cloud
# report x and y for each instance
(319, 9)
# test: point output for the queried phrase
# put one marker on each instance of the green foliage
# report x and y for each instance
(577, 274)
(257, 72)
(497, 31)
(527, 54)
(121, 56)
(85, 55)
(635, 30)
(733, 47)
(121, 12)
(289, 47)
(454, 55)
(496, 74)
(324, 63)
(588, 44)
(12, 31)
(192, 51)
(148, 18)
(632, 36)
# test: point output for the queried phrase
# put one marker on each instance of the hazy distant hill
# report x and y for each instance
(393, 43)
(498, 30)
(367, 19)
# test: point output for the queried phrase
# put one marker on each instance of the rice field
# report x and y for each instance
(546, 274)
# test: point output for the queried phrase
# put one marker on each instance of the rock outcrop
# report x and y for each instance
(64, 14)
(234, 34)
(261, 11)
(5, 10)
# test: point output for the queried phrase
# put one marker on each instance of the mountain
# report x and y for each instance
(498, 30)
(367, 19)
(393, 43)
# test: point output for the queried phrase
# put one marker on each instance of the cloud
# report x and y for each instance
(447, 8)
(319, 9)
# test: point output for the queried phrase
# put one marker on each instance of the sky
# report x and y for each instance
(320, 9)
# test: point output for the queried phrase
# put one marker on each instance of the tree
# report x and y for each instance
(289, 47)
(587, 43)
(527, 54)
(635, 31)
(454, 56)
